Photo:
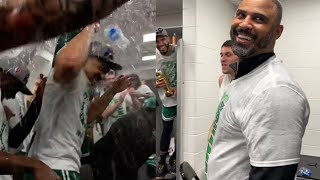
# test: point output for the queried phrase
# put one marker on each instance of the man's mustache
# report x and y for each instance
(246, 32)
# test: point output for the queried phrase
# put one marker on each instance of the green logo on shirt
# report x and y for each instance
(221, 105)
(84, 109)
(120, 111)
(170, 70)
(3, 145)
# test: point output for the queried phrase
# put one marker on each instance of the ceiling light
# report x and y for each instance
(149, 37)
(148, 58)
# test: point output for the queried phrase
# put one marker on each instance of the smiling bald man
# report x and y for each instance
(262, 116)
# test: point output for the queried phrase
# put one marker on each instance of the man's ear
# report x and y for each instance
(279, 31)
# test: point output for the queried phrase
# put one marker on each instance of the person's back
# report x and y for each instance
(244, 122)
(127, 145)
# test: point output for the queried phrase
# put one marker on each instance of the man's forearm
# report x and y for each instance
(110, 110)
(35, 20)
(22, 129)
(12, 164)
(98, 106)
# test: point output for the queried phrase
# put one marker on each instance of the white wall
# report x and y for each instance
(169, 20)
(299, 49)
(206, 25)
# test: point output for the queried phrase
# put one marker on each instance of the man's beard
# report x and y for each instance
(242, 51)
(167, 46)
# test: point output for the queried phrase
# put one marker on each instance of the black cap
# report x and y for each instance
(105, 54)
(161, 32)
(24, 89)
(21, 73)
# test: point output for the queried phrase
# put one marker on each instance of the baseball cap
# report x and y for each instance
(161, 32)
(21, 74)
(105, 54)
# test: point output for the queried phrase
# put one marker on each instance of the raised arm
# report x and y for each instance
(71, 58)
(98, 106)
(111, 109)
(27, 21)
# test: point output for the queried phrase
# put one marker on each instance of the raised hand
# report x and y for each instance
(120, 84)
(40, 89)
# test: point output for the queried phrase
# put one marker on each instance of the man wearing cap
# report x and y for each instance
(167, 63)
(60, 128)
(18, 105)
(13, 81)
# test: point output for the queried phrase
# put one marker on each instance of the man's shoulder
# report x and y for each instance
(279, 75)
(220, 80)
(272, 77)
(273, 74)
(143, 88)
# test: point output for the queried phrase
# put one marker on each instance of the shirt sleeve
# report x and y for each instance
(273, 125)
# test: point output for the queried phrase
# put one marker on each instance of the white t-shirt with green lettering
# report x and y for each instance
(60, 128)
(260, 121)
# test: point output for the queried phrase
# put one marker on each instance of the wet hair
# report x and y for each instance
(136, 83)
(227, 43)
